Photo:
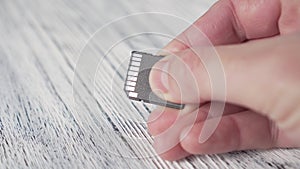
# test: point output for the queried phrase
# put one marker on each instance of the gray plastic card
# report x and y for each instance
(137, 85)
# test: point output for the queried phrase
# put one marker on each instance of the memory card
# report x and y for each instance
(137, 85)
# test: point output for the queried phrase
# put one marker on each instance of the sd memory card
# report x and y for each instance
(137, 85)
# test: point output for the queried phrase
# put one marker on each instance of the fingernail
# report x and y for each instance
(159, 78)
(165, 142)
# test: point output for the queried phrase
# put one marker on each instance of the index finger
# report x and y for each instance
(231, 21)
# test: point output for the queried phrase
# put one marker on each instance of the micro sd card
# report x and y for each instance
(137, 85)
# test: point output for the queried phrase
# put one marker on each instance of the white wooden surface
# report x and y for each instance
(51, 117)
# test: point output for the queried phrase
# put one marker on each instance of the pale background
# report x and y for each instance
(50, 117)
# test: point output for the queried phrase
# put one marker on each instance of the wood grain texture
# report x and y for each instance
(62, 104)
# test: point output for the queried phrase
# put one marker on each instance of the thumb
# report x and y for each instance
(251, 74)
(191, 76)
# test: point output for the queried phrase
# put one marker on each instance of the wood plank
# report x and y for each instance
(62, 104)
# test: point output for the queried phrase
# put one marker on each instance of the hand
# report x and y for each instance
(258, 45)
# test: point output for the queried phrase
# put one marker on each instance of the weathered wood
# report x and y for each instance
(56, 111)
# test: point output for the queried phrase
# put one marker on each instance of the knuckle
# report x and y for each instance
(289, 21)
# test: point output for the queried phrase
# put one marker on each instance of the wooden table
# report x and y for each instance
(62, 69)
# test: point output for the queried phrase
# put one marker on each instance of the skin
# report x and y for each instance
(258, 44)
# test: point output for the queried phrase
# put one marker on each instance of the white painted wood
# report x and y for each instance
(50, 117)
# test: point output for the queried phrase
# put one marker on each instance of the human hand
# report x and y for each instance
(258, 45)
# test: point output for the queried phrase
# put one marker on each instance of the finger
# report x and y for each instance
(240, 131)
(168, 116)
(190, 81)
(159, 121)
(231, 21)
(175, 153)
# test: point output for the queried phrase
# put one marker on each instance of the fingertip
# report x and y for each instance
(152, 121)
(172, 154)
(189, 141)
(162, 79)
(161, 119)
(176, 153)
(155, 114)
(159, 77)
(176, 45)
